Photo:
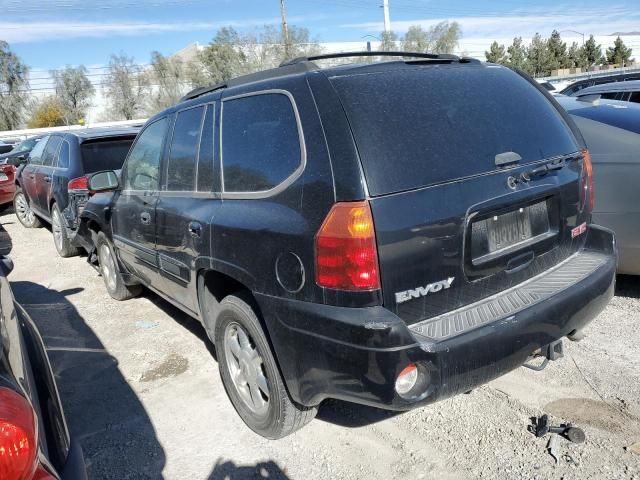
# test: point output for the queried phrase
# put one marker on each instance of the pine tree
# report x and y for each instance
(517, 55)
(619, 54)
(557, 52)
(496, 54)
(538, 58)
(592, 52)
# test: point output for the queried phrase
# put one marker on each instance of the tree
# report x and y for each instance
(619, 54)
(48, 112)
(538, 59)
(496, 54)
(556, 52)
(74, 92)
(576, 56)
(13, 88)
(168, 75)
(267, 50)
(415, 40)
(517, 55)
(223, 58)
(444, 37)
(389, 42)
(592, 52)
(127, 87)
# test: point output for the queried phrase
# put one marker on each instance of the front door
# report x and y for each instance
(134, 213)
(28, 175)
(44, 175)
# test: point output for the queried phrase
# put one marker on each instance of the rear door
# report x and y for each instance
(45, 174)
(28, 175)
(185, 205)
(134, 215)
(455, 161)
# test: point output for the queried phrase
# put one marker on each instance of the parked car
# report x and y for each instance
(20, 152)
(5, 147)
(589, 82)
(41, 192)
(623, 91)
(389, 250)
(7, 184)
(611, 130)
(34, 438)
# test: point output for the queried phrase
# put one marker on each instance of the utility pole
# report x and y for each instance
(285, 31)
(387, 20)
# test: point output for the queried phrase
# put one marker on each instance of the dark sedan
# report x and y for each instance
(34, 438)
(611, 130)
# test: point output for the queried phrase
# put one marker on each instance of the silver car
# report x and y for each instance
(611, 130)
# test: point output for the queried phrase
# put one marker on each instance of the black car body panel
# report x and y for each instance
(599, 80)
(254, 226)
(25, 368)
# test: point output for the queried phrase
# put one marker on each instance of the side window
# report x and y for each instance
(205, 157)
(260, 142)
(635, 97)
(63, 157)
(181, 168)
(50, 152)
(609, 95)
(35, 157)
(143, 164)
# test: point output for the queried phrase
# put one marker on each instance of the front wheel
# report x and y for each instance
(60, 238)
(111, 273)
(250, 375)
(23, 210)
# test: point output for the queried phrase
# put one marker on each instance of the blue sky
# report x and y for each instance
(51, 33)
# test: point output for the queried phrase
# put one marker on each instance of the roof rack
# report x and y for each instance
(366, 53)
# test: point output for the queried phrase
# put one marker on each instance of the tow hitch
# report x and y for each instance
(552, 352)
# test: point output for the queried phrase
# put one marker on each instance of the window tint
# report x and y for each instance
(50, 152)
(105, 154)
(205, 159)
(35, 157)
(260, 142)
(635, 97)
(427, 124)
(143, 163)
(609, 95)
(63, 158)
(181, 168)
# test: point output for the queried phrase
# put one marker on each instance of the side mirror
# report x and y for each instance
(16, 161)
(6, 265)
(103, 181)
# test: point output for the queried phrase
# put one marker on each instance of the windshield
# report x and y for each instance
(26, 145)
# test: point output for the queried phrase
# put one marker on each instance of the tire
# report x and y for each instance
(60, 238)
(249, 359)
(23, 210)
(110, 273)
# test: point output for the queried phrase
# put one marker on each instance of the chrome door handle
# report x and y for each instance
(145, 218)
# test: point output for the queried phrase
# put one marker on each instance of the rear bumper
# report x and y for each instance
(355, 354)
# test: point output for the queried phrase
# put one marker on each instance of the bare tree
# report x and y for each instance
(74, 92)
(14, 84)
(416, 40)
(127, 88)
(168, 75)
(444, 37)
(389, 42)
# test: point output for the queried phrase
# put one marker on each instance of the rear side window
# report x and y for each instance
(260, 142)
(50, 152)
(63, 158)
(423, 125)
(181, 168)
(635, 97)
(142, 170)
(107, 154)
(35, 157)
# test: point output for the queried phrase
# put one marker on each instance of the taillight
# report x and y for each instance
(587, 195)
(346, 252)
(18, 437)
(80, 183)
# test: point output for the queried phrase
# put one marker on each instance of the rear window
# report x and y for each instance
(427, 124)
(105, 154)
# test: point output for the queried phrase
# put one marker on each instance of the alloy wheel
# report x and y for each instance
(56, 227)
(23, 210)
(107, 266)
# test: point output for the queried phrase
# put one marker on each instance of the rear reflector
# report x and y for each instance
(346, 252)
(18, 440)
(407, 379)
(587, 194)
(80, 183)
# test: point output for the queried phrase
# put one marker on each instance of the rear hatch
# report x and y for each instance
(474, 177)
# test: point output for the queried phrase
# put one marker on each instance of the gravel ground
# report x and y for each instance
(142, 394)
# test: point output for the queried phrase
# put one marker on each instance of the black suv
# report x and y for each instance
(389, 234)
(42, 184)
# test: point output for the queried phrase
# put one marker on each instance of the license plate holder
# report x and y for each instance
(508, 229)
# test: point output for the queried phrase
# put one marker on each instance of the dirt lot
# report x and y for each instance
(141, 389)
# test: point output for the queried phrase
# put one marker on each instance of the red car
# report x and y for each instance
(7, 183)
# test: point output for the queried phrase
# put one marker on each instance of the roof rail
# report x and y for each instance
(366, 53)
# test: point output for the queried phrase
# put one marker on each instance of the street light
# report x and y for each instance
(573, 31)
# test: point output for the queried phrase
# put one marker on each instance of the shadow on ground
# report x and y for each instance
(628, 286)
(264, 470)
(103, 412)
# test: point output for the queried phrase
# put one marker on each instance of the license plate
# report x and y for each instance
(3, 177)
(508, 229)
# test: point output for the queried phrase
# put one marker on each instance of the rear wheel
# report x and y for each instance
(23, 210)
(250, 374)
(60, 238)
(110, 272)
